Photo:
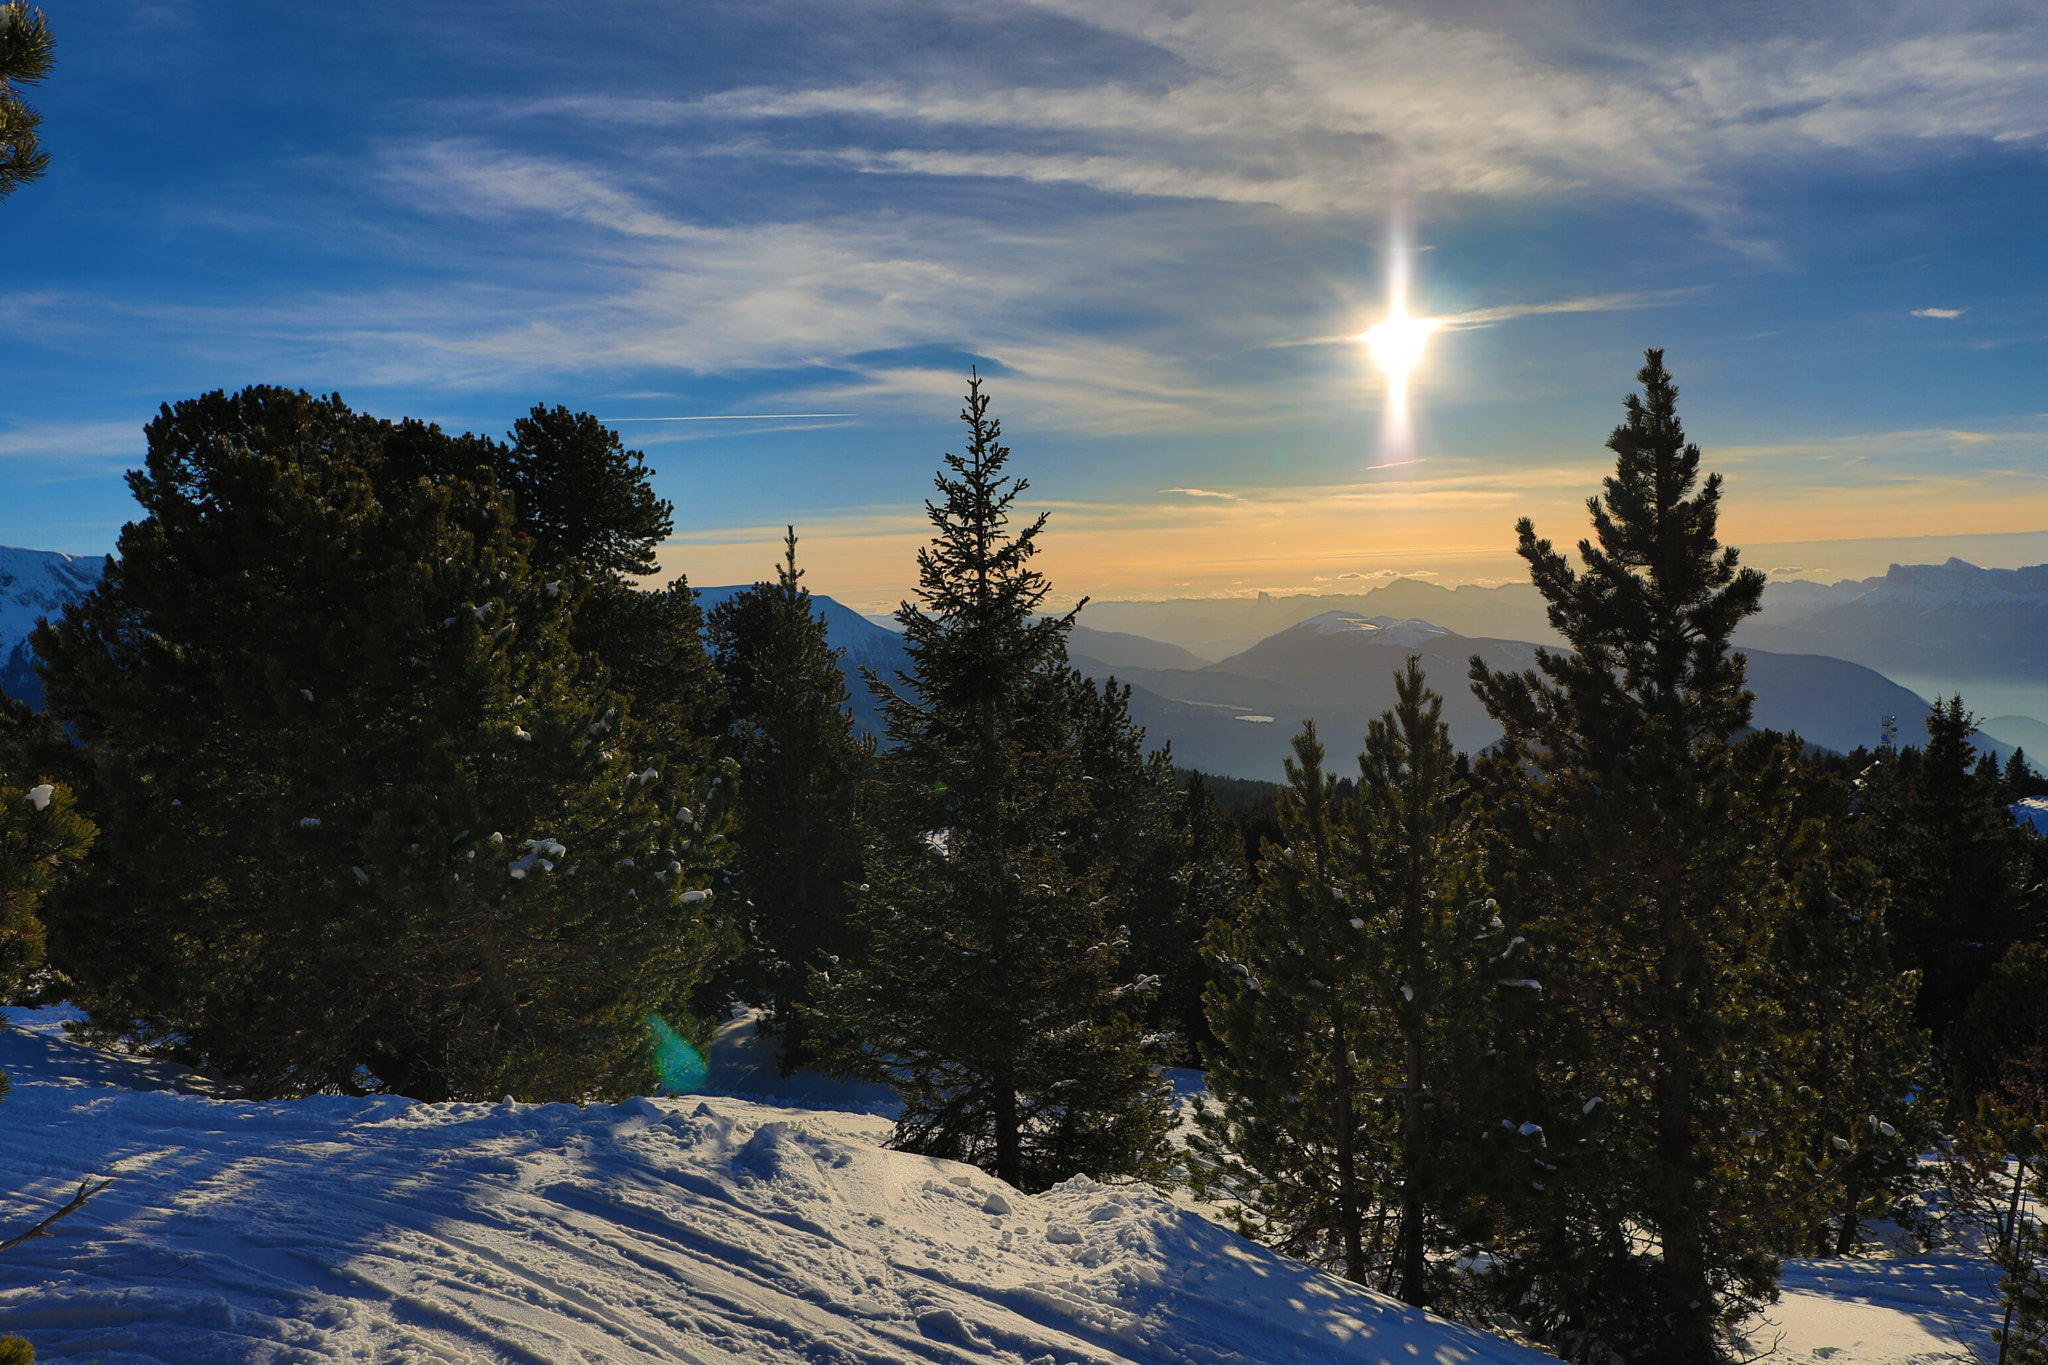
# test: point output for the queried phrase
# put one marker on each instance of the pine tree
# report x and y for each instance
(990, 996)
(1965, 885)
(2019, 780)
(2005, 1021)
(42, 837)
(1637, 862)
(800, 837)
(1364, 972)
(1164, 875)
(370, 822)
(1301, 1137)
(27, 54)
(1426, 913)
(582, 494)
(1197, 877)
(1857, 1076)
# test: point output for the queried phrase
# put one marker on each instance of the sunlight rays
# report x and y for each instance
(1397, 344)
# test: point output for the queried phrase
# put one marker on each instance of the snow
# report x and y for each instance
(38, 583)
(1383, 630)
(760, 1221)
(2033, 811)
(1910, 1310)
(704, 1229)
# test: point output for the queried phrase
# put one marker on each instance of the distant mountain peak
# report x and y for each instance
(1384, 630)
(35, 583)
(1961, 583)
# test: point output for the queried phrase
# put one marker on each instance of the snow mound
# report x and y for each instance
(703, 1230)
(2032, 811)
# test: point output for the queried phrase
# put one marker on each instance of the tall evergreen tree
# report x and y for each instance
(1353, 1023)
(1170, 861)
(1965, 885)
(1196, 878)
(370, 822)
(1301, 1135)
(1639, 862)
(1427, 913)
(1857, 1075)
(802, 770)
(990, 996)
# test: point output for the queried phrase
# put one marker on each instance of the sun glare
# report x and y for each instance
(1397, 343)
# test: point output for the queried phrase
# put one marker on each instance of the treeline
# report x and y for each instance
(398, 783)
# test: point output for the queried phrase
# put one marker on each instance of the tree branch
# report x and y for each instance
(86, 1190)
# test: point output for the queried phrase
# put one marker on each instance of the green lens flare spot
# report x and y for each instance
(683, 1069)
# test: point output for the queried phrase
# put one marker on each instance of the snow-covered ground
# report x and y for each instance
(701, 1230)
(707, 1229)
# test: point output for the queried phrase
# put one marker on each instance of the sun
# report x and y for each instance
(1397, 343)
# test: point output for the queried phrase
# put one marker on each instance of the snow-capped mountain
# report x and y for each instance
(35, 584)
(1411, 633)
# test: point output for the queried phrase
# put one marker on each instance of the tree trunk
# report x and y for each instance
(1688, 1299)
(1414, 1268)
(1852, 1197)
(1350, 1213)
(1009, 1143)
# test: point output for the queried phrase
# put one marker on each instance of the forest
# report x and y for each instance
(369, 767)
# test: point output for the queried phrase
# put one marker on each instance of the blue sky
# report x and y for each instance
(1151, 224)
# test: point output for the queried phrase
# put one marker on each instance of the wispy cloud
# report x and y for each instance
(1594, 303)
(1203, 493)
(1938, 312)
(65, 442)
(1316, 106)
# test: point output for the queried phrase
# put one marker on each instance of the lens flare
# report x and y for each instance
(682, 1068)
(1397, 344)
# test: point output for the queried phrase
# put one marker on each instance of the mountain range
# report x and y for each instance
(1237, 716)
(1280, 660)
(1932, 620)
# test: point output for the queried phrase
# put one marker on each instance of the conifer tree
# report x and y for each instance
(1353, 1025)
(990, 995)
(1197, 878)
(370, 822)
(42, 837)
(2019, 781)
(1300, 1139)
(1965, 885)
(800, 837)
(1636, 859)
(1169, 864)
(27, 54)
(1857, 1076)
(1426, 914)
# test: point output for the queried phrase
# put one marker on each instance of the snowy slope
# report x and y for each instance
(707, 1231)
(33, 584)
(37, 583)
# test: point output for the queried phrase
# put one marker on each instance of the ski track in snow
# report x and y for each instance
(707, 1231)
